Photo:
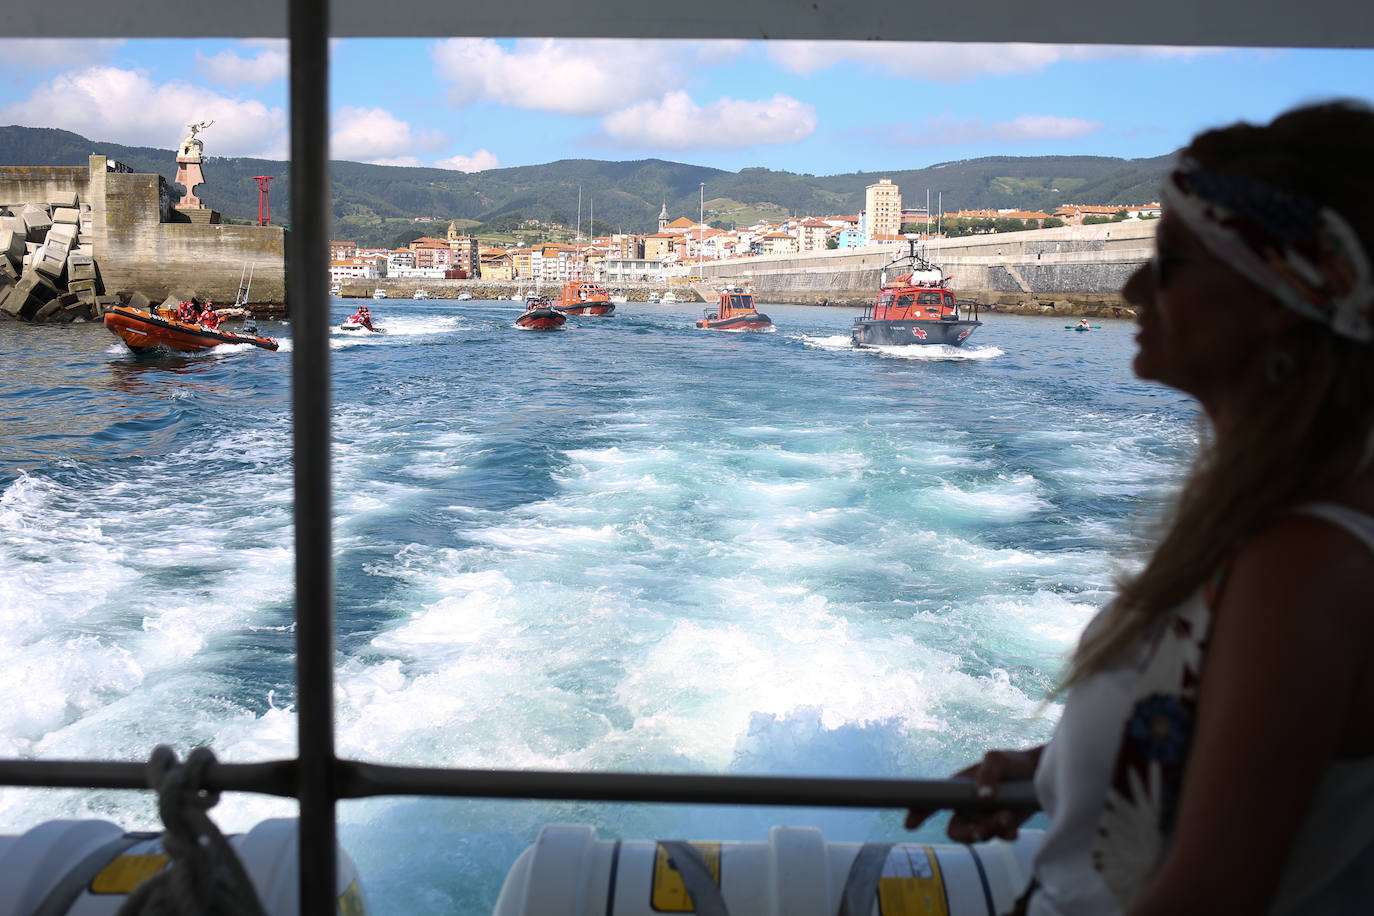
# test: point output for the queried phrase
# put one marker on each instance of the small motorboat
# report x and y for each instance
(379, 293)
(335, 290)
(918, 308)
(464, 295)
(420, 294)
(145, 332)
(540, 315)
(668, 297)
(735, 311)
(582, 298)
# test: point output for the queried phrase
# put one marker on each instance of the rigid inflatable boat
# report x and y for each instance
(145, 332)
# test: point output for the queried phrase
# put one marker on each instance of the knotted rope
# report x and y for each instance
(204, 877)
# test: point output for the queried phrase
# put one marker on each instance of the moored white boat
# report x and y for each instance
(379, 293)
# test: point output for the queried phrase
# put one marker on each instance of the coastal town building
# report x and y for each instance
(882, 209)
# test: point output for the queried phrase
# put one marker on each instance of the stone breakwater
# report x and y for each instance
(48, 270)
(102, 232)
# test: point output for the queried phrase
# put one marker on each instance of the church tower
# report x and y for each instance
(663, 218)
(452, 233)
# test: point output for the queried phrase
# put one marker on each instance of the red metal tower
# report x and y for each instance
(264, 203)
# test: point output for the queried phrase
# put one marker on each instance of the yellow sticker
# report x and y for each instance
(351, 902)
(669, 893)
(911, 884)
(126, 873)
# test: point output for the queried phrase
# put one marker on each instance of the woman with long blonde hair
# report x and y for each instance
(1216, 748)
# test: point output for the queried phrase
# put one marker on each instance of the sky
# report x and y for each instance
(819, 108)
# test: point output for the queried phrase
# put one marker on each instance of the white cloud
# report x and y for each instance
(947, 130)
(479, 161)
(676, 122)
(125, 106)
(229, 68)
(410, 161)
(375, 134)
(947, 62)
(583, 77)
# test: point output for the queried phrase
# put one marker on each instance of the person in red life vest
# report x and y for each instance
(208, 318)
(364, 318)
(186, 312)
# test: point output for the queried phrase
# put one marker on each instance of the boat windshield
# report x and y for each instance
(741, 303)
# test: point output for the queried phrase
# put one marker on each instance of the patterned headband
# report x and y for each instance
(1305, 254)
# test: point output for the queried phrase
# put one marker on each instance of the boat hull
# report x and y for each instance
(588, 308)
(544, 318)
(145, 333)
(753, 321)
(869, 332)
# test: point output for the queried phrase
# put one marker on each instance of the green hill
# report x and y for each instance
(373, 204)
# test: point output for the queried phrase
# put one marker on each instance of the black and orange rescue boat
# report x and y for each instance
(145, 332)
(540, 315)
(916, 308)
(735, 311)
(582, 298)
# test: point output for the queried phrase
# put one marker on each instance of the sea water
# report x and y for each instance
(629, 545)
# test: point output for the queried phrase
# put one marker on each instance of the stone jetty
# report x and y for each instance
(73, 238)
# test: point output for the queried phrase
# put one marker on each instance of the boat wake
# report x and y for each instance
(925, 352)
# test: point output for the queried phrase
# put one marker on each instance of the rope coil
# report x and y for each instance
(205, 876)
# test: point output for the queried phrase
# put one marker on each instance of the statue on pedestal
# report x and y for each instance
(191, 146)
(189, 174)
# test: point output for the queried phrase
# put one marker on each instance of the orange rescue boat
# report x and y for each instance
(145, 332)
(582, 298)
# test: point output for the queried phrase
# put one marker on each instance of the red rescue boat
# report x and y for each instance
(145, 332)
(582, 298)
(540, 315)
(735, 311)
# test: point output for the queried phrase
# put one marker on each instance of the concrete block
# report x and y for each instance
(63, 199)
(31, 247)
(12, 245)
(11, 302)
(69, 215)
(38, 222)
(60, 237)
(79, 286)
(51, 262)
(139, 301)
(102, 303)
(46, 310)
(14, 224)
(8, 275)
(86, 248)
(26, 265)
(34, 292)
(80, 267)
(77, 311)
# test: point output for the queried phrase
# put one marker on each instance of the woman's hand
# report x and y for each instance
(968, 826)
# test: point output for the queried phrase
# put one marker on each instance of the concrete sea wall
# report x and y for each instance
(1073, 270)
(141, 243)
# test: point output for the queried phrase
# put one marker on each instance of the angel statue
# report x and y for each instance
(191, 146)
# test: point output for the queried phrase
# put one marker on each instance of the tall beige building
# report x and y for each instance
(882, 210)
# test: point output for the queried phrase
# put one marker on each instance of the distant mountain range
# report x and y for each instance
(372, 203)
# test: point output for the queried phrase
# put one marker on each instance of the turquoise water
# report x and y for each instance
(628, 545)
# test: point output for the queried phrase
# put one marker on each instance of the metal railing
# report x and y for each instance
(317, 777)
